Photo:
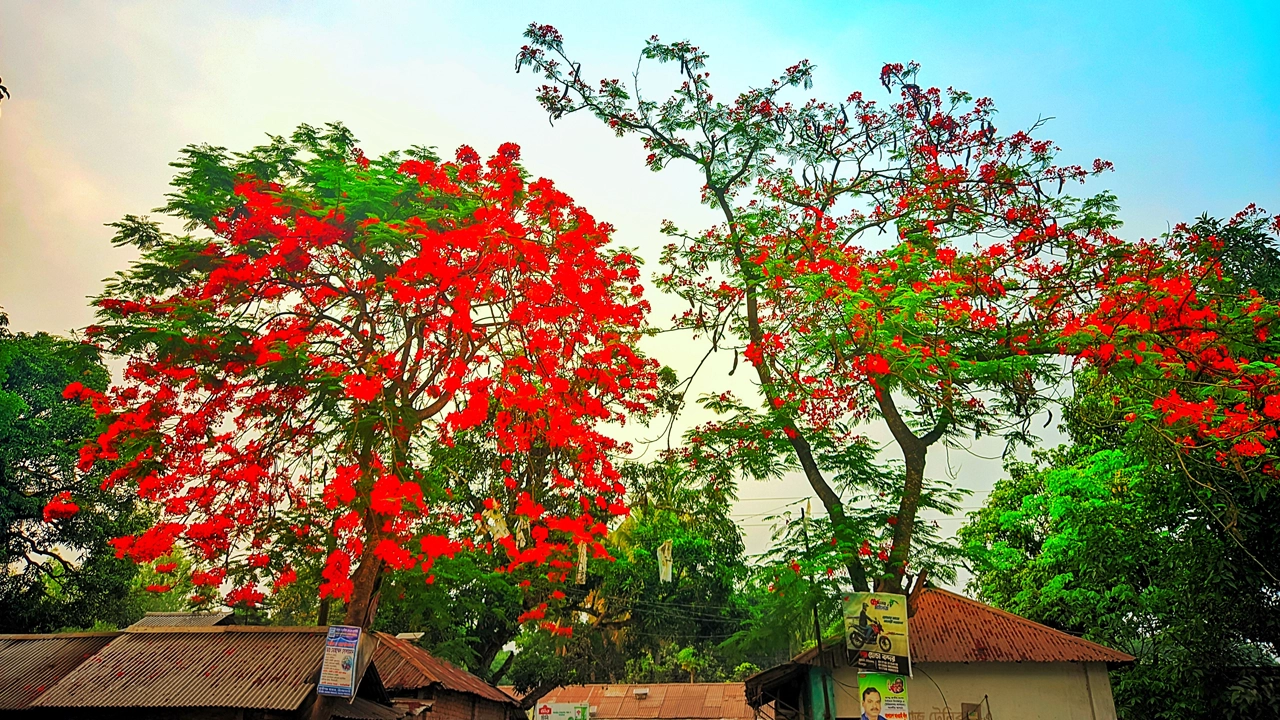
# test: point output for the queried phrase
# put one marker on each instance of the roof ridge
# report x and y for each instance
(395, 642)
(58, 636)
(187, 612)
(247, 629)
(1041, 627)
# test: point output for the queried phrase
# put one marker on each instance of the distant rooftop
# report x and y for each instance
(656, 701)
(185, 619)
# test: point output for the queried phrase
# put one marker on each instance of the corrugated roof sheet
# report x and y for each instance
(227, 666)
(183, 619)
(405, 666)
(30, 664)
(664, 701)
(946, 627)
(361, 709)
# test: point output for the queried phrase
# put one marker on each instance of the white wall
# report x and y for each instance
(1015, 691)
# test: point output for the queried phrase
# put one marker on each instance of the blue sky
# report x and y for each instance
(1183, 97)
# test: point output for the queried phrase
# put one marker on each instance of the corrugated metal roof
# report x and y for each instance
(361, 709)
(405, 666)
(663, 701)
(227, 666)
(946, 627)
(30, 664)
(183, 619)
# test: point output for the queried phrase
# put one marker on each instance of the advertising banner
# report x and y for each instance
(875, 626)
(338, 669)
(563, 711)
(883, 696)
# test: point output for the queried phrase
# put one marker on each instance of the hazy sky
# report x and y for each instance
(1183, 97)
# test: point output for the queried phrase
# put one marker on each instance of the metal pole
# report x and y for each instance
(817, 626)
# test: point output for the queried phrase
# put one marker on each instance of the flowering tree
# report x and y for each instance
(326, 318)
(955, 327)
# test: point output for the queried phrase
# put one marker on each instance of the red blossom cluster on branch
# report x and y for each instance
(964, 319)
(288, 368)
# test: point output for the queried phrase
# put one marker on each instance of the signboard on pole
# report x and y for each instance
(883, 696)
(338, 669)
(875, 626)
(563, 711)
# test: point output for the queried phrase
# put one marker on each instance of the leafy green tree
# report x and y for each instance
(1120, 549)
(1246, 247)
(60, 570)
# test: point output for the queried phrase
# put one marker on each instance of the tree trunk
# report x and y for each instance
(914, 451)
(361, 607)
(804, 452)
(834, 507)
(908, 505)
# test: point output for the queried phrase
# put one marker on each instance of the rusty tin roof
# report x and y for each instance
(946, 627)
(30, 664)
(184, 619)
(660, 701)
(402, 665)
(224, 666)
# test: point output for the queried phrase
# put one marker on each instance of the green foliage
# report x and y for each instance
(1119, 547)
(622, 624)
(60, 573)
(1246, 250)
(179, 586)
(745, 444)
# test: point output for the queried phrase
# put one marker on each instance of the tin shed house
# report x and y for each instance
(969, 661)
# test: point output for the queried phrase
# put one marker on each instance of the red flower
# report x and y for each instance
(389, 494)
(60, 507)
(208, 578)
(1249, 448)
(362, 387)
(247, 595)
(394, 555)
(876, 365)
(288, 577)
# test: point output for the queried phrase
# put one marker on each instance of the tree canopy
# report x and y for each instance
(60, 571)
(325, 319)
(989, 286)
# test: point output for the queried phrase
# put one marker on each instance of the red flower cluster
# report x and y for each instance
(318, 331)
(60, 507)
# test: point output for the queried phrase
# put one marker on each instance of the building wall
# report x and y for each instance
(447, 705)
(1027, 691)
